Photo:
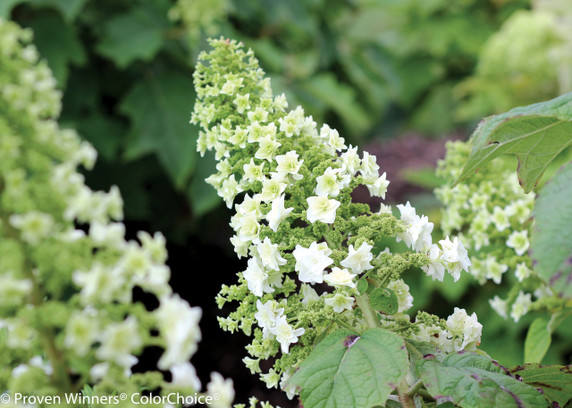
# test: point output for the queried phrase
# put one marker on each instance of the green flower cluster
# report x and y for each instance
(493, 215)
(67, 273)
(315, 262)
(528, 60)
(199, 15)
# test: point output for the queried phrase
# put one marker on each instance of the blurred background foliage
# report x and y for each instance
(373, 69)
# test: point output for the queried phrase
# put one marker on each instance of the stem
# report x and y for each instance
(557, 319)
(423, 393)
(414, 388)
(383, 280)
(412, 349)
(368, 313)
(404, 398)
(60, 377)
(344, 324)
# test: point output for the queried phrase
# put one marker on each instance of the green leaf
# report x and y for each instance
(159, 111)
(536, 134)
(552, 238)
(202, 196)
(365, 76)
(384, 300)
(555, 381)
(132, 36)
(350, 371)
(6, 7)
(58, 43)
(473, 381)
(537, 341)
(558, 318)
(362, 286)
(104, 132)
(338, 97)
(423, 177)
(69, 9)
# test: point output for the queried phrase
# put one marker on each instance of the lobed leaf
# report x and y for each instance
(158, 108)
(555, 381)
(68, 8)
(471, 380)
(137, 35)
(347, 370)
(536, 134)
(62, 48)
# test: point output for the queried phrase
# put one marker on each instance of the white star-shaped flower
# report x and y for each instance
(340, 302)
(322, 209)
(270, 254)
(311, 262)
(340, 277)
(285, 334)
(277, 213)
(358, 260)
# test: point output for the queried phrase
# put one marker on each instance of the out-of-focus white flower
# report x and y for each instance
(222, 389)
(520, 306)
(519, 241)
(522, 271)
(119, 341)
(185, 375)
(179, 326)
(499, 305)
(500, 219)
(33, 225)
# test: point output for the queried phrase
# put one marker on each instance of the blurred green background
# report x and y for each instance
(397, 77)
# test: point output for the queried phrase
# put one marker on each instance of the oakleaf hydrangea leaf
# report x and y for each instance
(347, 370)
(536, 134)
(61, 47)
(158, 108)
(132, 36)
(554, 380)
(472, 380)
(69, 9)
(552, 239)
